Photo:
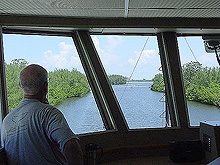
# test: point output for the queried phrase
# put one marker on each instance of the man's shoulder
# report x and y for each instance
(32, 106)
(36, 104)
(50, 110)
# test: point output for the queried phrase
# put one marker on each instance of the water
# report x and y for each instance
(202, 112)
(82, 114)
(140, 105)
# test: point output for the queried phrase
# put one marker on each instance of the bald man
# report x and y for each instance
(36, 132)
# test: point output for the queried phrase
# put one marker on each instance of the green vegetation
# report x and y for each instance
(117, 79)
(63, 84)
(158, 83)
(202, 84)
(14, 92)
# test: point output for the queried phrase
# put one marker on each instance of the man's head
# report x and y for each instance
(33, 80)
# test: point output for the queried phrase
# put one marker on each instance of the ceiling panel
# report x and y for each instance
(61, 4)
(71, 8)
(112, 8)
(188, 13)
(100, 4)
(71, 13)
(174, 4)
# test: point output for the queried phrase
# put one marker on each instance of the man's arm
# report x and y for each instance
(73, 152)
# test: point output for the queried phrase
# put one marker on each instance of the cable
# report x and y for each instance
(191, 50)
(134, 68)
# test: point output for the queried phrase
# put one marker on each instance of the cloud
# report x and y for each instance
(147, 57)
(65, 49)
(117, 59)
(65, 58)
(208, 60)
(113, 43)
(55, 60)
(106, 55)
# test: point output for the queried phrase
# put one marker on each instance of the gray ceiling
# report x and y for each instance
(111, 16)
(113, 8)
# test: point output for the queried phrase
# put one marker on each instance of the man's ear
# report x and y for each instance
(19, 84)
(46, 87)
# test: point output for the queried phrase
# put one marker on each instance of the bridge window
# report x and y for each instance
(68, 87)
(201, 76)
(132, 63)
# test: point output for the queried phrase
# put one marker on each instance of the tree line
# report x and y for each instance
(202, 84)
(63, 84)
(117, 79)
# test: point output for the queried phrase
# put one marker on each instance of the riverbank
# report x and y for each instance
(202, 84)
(206, 95)
(140, 106)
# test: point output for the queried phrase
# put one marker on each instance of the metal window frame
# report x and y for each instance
(3, 92)
(105, 98)
(107, 103)
(170, 60)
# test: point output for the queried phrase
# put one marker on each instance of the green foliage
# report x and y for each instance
(202, 84)
(189, 71)
(63, 84)
(14, 92)
(117, 79)
(158, 83)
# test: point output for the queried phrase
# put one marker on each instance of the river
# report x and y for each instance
(142, 108)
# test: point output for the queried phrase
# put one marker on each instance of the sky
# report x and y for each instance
(119, 54)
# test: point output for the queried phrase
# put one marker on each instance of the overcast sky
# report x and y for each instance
(119, 54)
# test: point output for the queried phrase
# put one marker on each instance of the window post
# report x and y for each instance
(105, 98)
(170, 60)
(3, 95)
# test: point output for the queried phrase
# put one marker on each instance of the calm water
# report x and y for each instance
(142, 108)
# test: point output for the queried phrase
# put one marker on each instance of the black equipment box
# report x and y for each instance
(210, 137)
(186, 151)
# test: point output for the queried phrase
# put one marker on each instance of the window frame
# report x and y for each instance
(112, 116)
(3, 95)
